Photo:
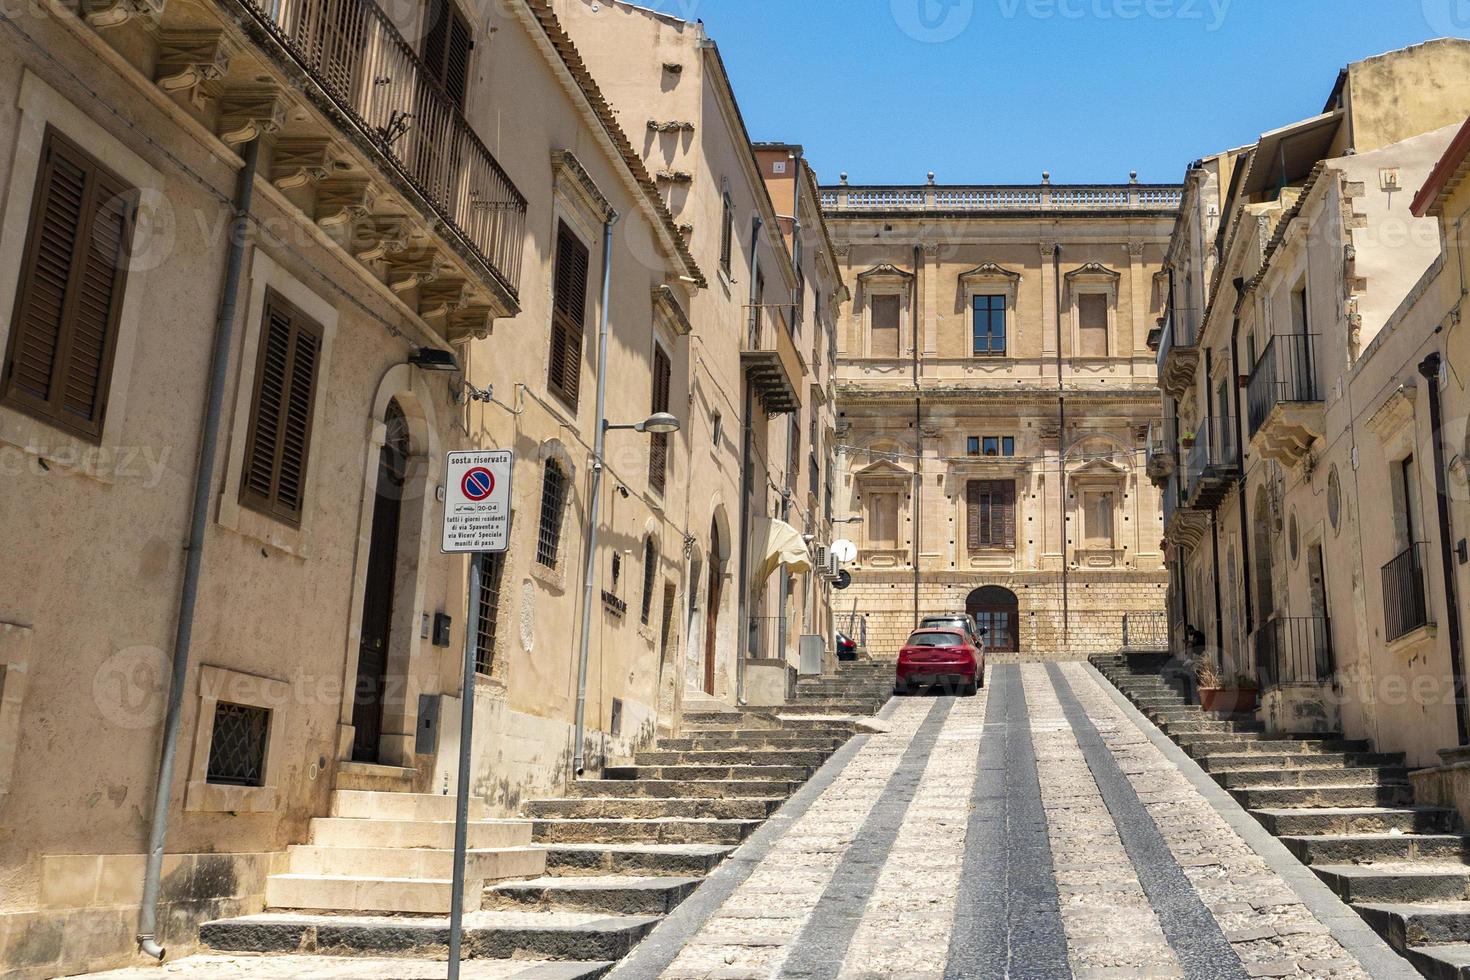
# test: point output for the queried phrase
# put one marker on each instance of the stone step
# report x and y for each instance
(365, 893)
(619, 895)
(1324, 776)
(750, 741)
(1379, 848)
(1194, 726)
(1310, 797)
(1407, 925)
(580, 860)
(487, 935)
(1417, 882)
(1296, 760)
(358, 805)
(643, 808)
(1447, 961)
(1357, 820)
(752, 773)
(296, 966)
(488, 864)
(1208, 744)
(554, 830)
(833, 706)
(701, 789)
(348, 832)
(732, 757)
(367, 777)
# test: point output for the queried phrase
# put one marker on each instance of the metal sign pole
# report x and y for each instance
(462, 803)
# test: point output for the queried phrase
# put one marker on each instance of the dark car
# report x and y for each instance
(946, 657)
(949, 621)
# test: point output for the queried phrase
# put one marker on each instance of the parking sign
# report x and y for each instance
(477, 501)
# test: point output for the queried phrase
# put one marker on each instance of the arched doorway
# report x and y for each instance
(378, 595)
(712, 605)
(1261, 558)
(997, 611)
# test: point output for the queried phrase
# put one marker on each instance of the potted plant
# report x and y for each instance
(1237, 697)
(1187, 439)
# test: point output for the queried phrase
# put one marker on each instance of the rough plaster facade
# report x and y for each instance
(915, 413)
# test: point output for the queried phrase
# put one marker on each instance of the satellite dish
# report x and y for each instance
(844, 550)
(843, 580)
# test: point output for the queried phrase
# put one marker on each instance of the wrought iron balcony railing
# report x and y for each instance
(1405, 598)
(356, 55)
(1293, 650)
(1285, 372)
(1212, 460)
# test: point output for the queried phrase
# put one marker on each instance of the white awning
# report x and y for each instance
(779, 545)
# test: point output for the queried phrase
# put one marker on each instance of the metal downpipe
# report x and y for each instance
(194, 553)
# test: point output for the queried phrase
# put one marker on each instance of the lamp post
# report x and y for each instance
(660, 423)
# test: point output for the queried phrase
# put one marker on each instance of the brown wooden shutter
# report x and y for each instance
(885, 326)
(1006, 494)
(447, 44)
(974, 493)
(990, 514)
(727, 234)
(72, 277)
(279, 443)
(569, 306)
(658, 451)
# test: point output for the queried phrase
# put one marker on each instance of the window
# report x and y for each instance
(447, 43)
(990, 446)
(716, 428)
(989, 326)
(1097, 520)
(883, 521)
(568, 310)
(885, 310)
(237, 745)
(991, 514)
(1406, 503)
(658, 442)
(492, 566)
(650, 568)
(279, 441)
(553, 502)
(1092, 324)
(727, 234)
(71, 287)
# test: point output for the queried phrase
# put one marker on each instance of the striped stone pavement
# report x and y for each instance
(1033, 831)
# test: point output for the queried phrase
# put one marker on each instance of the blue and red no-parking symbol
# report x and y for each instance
(478, 484)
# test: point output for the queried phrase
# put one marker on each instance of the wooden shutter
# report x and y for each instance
(568, 309)
(447, 44)
(727, 234)
(1092, 324)
(279, 443)
(72, 276)
(885, 326)
(990, 514)
(658, 442)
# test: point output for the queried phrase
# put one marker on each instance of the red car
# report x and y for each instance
(940, 656)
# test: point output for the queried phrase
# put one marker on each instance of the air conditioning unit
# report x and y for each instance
(833, 565)
(822, 561)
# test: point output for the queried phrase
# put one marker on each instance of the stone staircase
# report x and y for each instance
(585, 877)
(1345, 811)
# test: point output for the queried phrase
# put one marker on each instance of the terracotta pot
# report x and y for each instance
(1230, 700)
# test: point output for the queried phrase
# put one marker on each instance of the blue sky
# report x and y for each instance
(993, 91)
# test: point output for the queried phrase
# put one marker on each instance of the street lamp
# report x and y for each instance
(659, 423)
(847, 520)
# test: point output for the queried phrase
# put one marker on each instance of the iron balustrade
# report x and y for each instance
(1293, 650)
(1216, 448)
(370, 72)
(1405, 597)
(1146, 630)
(1285, 372)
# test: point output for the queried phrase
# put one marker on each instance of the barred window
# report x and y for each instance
(492, 565)
(553, 502)
(237, 745)
(650, 568)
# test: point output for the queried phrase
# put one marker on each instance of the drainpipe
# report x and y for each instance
(194, 553)
(1245, 544)
(742, 615)
(1429, 368)
(1056, 275)
(599, 439)
(918, 325)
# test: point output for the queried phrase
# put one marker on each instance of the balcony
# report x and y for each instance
(772, 364)
(1286, 410)
(354, 130)
(1405, 596)
(1212, 463)
(1163, 450)
(1293, 650)
(1179, 355)
(1182, 526)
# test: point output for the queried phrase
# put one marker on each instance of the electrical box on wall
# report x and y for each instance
(442, 622)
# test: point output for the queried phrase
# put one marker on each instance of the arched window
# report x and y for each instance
(553, 503)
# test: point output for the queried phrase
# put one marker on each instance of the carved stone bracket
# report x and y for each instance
(299, 161)
(252, 112)
(102, 14)
(188, 59)
(676, 126)
(675, 176)
(376, 237)
(406, 272)
(344, 199)
(441, 297)
(468, 322)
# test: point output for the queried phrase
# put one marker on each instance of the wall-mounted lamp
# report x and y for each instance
(433, 359)
(660, 424)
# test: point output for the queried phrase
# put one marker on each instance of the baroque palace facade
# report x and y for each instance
(995, 392)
